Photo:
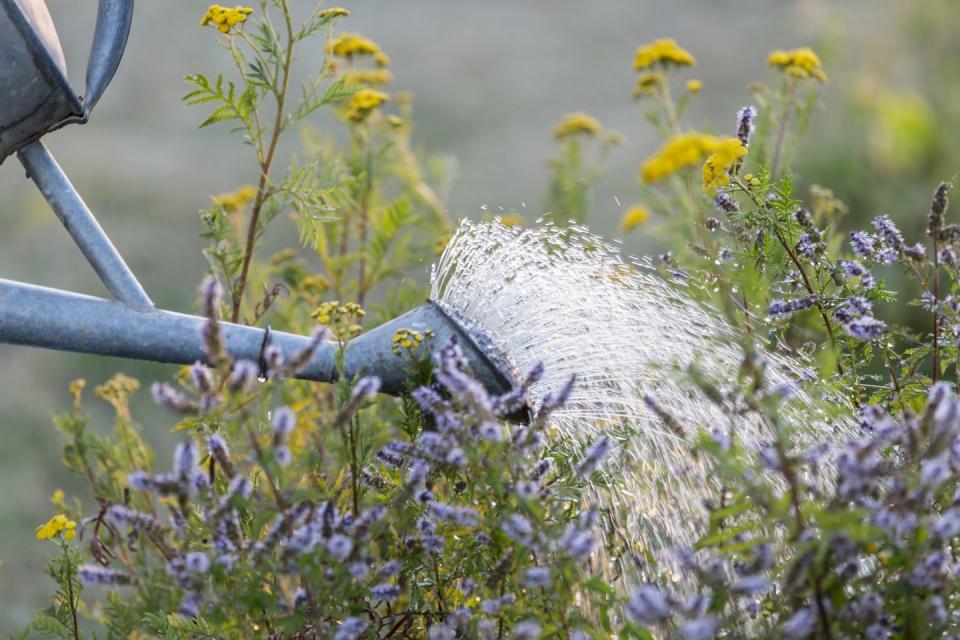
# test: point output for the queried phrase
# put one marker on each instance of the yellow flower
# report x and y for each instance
(718, 166)
(647, 83)
(665, 51)
(57, 499)
(575, 123)
(634, 216)
(56, 525)
(798, 63)
(680, 151)
(236, 200)
(381, 59)
(347, 45)
(372, 77)
(512, 220)
(117, 390)
(406, 340)
(225, 18)
(363, 102)
(314, 285)
(336, 12)
(76, 392)
(694, 86)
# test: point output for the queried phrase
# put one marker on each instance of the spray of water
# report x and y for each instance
(568, 299)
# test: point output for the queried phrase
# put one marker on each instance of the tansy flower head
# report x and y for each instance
(694, 86)
(718, 166)
(799, 63)
(665, 51)
(56, 525)
(683, 150)
(347, 45)
(648, 83)
(633, 217)
(370, 77)
(406, 340)
(575, 123)
(235, 201)
(225, 18)
(334, 12)
(363, 102)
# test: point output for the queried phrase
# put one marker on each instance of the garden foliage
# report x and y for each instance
(298, 510)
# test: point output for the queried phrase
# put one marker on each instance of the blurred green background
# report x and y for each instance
(490, 79)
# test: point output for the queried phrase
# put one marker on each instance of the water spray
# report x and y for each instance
(512, 298)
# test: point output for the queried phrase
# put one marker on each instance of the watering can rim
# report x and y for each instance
(46, 63)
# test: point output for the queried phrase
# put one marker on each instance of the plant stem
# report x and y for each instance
(806, 283)
(782, 128)
(70, 595)
(265, 166)
(364, 210)
(936, 306)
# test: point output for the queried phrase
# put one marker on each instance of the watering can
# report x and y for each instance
(36, 98)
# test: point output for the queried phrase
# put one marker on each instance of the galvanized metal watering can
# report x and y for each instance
(36, 98)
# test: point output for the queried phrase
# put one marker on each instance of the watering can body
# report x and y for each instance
(35, 95)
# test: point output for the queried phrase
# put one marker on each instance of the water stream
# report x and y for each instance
(568, 298)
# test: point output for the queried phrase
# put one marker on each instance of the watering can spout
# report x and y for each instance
(110, 39)
(41, 317)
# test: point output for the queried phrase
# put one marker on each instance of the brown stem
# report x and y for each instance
(265, 166)
(70, 595)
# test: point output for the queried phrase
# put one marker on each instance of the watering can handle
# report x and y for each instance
(109, 40)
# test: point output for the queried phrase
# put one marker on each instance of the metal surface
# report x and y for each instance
(41, 317)
(82, 226)
(35, 96)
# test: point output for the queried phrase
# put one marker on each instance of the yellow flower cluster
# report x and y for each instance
(117, 390)
(341, 319)
(336, 12)
(717, 168)
(683, 150)
(225, 18)
(634, 216)
(799, 63)
(76, 392)
(648, 83)
(406, 339)
(665, 51)
(575, 123)
(347, 45)
(372, 77)
(56, 525)
(314, 285)
(236, 200)
(364, 102)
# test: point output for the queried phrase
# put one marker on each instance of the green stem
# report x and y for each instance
(265, 166)
(782, 128)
